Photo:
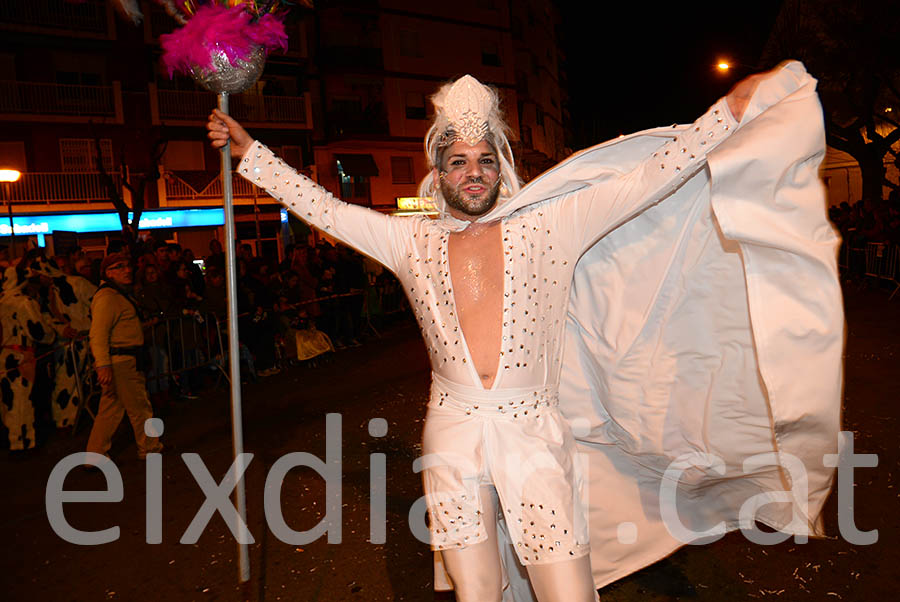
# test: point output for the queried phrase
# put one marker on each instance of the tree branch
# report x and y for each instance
(889, 120)
(891, 138)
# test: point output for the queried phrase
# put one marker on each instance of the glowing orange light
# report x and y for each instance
(9, 175)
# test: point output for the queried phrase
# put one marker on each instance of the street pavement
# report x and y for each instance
(388, 378)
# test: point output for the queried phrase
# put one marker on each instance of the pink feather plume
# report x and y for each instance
(214, 26)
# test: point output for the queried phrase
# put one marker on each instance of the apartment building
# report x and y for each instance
(377, 63)
(83, 92)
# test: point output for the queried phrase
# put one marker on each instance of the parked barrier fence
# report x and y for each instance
(883, 263)
(178, 348)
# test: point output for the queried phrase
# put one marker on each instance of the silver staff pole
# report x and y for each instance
(234, 359)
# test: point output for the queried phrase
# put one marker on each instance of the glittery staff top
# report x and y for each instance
(541, 244)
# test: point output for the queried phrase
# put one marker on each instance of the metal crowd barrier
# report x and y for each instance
(882, 263)
(180, 344)
(184, 347)
(168, 358)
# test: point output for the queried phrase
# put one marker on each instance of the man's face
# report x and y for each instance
(120, 273)
(469, 178)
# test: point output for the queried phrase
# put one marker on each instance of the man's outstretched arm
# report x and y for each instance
(370, 232)
(617, 196)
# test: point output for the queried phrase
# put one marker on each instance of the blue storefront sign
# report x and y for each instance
(30, 225)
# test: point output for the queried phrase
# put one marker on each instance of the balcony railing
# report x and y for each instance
(205, 186)
(173, 188)
(60, 187)
(89, 17)
(192, 106)
(19, 98)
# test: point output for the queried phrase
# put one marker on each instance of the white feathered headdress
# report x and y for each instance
(468, 111)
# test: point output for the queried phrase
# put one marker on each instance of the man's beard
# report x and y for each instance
(460, 201)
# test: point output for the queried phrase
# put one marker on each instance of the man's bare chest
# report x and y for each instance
(476, 269)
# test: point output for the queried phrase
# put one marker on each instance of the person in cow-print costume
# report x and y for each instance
(22, 328)
(67, 301)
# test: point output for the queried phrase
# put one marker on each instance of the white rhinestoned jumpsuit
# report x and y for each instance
(512, 435)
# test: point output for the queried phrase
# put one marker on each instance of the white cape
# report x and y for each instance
(703, 332)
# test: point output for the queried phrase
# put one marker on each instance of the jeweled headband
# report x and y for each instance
(466, 110)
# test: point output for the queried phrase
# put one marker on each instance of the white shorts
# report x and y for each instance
(516, 440)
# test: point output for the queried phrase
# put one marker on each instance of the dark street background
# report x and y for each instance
(388, 377)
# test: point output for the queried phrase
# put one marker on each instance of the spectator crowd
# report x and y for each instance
(320, 298)
(869, 221)
(870, 233)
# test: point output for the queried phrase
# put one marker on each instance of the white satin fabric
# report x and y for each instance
(704, 337)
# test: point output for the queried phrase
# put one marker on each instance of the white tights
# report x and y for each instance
(476, 570)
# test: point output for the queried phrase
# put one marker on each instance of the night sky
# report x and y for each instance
(636, 65)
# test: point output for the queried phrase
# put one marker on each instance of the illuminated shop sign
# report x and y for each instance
(109, 222)
(415, 203)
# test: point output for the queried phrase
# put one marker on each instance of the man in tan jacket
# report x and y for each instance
(117, 340)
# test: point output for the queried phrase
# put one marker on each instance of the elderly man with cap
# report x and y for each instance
(117, 341)
(490, 283)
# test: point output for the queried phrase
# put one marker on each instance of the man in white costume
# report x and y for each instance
(491, 285)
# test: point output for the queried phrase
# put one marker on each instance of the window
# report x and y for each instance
(354, 171)
(490, 54)
(415, 105)
(354, 187)
(80, 154)
(539, 116)
(402, 170)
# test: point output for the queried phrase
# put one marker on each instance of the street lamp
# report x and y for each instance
(726, 66)
(8, 176)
